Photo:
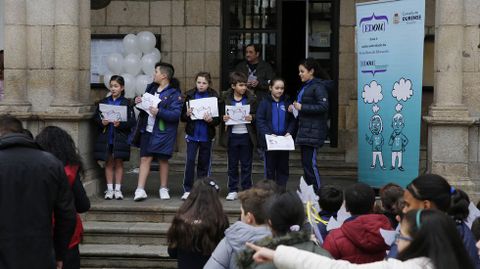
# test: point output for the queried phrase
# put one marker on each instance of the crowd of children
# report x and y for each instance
(155, 130)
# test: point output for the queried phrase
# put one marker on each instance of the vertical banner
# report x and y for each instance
(389, 37)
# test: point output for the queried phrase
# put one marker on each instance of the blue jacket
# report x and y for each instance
(264, 121)
(469, 243)
(313, 117)
(164, 132)
(121, 147)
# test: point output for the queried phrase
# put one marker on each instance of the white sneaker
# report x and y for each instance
(118, 195)
(164, 194)
(232, 196)
(185, 195)
(108, 194)
(140, 195)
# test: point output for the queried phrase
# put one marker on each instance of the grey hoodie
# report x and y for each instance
(224, 255)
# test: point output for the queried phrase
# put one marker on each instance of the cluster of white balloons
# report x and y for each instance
(138, 65)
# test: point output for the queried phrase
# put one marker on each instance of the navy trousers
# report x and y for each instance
(276, 166)
(240, 149)
(204, 163)
(309, 163)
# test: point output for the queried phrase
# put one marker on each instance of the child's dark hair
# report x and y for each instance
(359, 199)
(389, 195)
(200, 218)
(237, 77)
(10, 124)
(433, 188)
(318, 72)
(272, 81)
(253, 201)
(168, 70)
(476, 229)
(330, 198)
(119, 79)
(205, 75)
(435, 236)
(459, 205)
(284, 211)
(268, 185)
(58, 142)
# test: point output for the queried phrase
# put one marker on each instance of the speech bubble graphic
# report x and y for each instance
(402, 90)
(372, 93)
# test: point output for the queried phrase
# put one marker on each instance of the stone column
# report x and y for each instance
(15, 98)
(67, 76)
(448, 119)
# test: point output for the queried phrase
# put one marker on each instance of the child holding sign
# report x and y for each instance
(199, 133)
(273, 118)
(111, 145)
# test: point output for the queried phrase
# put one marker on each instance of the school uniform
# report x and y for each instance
(273, 118)
(312, 126)
(113, 140)
(199, 137)
(240, 140)
(158, 134)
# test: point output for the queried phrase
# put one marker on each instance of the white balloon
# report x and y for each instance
(130, 44)
(146, 41)
(141, 83)
(106, 79)
(129, 85)
(132, 64)
(156, 53)
(148, 64)
(115, 63)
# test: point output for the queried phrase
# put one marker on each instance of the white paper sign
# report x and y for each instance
(342, 215)
(113, 113)
(279, 142)
(295, 112)
(237, 114)
(148, 100)
(203, 106)
(473, 213)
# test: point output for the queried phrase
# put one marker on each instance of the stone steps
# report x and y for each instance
(133, 233)
(125, 256)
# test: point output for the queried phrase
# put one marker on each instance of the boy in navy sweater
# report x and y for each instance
(240, 137)
(273, 118)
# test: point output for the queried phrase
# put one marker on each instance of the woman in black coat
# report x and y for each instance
(312, 107)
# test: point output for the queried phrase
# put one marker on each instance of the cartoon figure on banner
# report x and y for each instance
(372, 94)
(402, 91)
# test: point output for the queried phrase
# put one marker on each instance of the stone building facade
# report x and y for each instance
(47, 69)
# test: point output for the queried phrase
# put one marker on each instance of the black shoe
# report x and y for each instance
(383, 167)
(392, 167)
(372, 166)
(401, 168)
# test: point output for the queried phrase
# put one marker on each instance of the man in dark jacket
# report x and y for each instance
(259, 72)
(33, 186)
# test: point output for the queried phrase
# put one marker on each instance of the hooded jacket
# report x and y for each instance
(224, 255)
(33, 185)
(359, 239)
(300, 240)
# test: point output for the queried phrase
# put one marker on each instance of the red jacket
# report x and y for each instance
(71, 172)
(359, 240)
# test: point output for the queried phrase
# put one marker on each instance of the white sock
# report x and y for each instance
(139, 188)
(110, 187)
(118, 187)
